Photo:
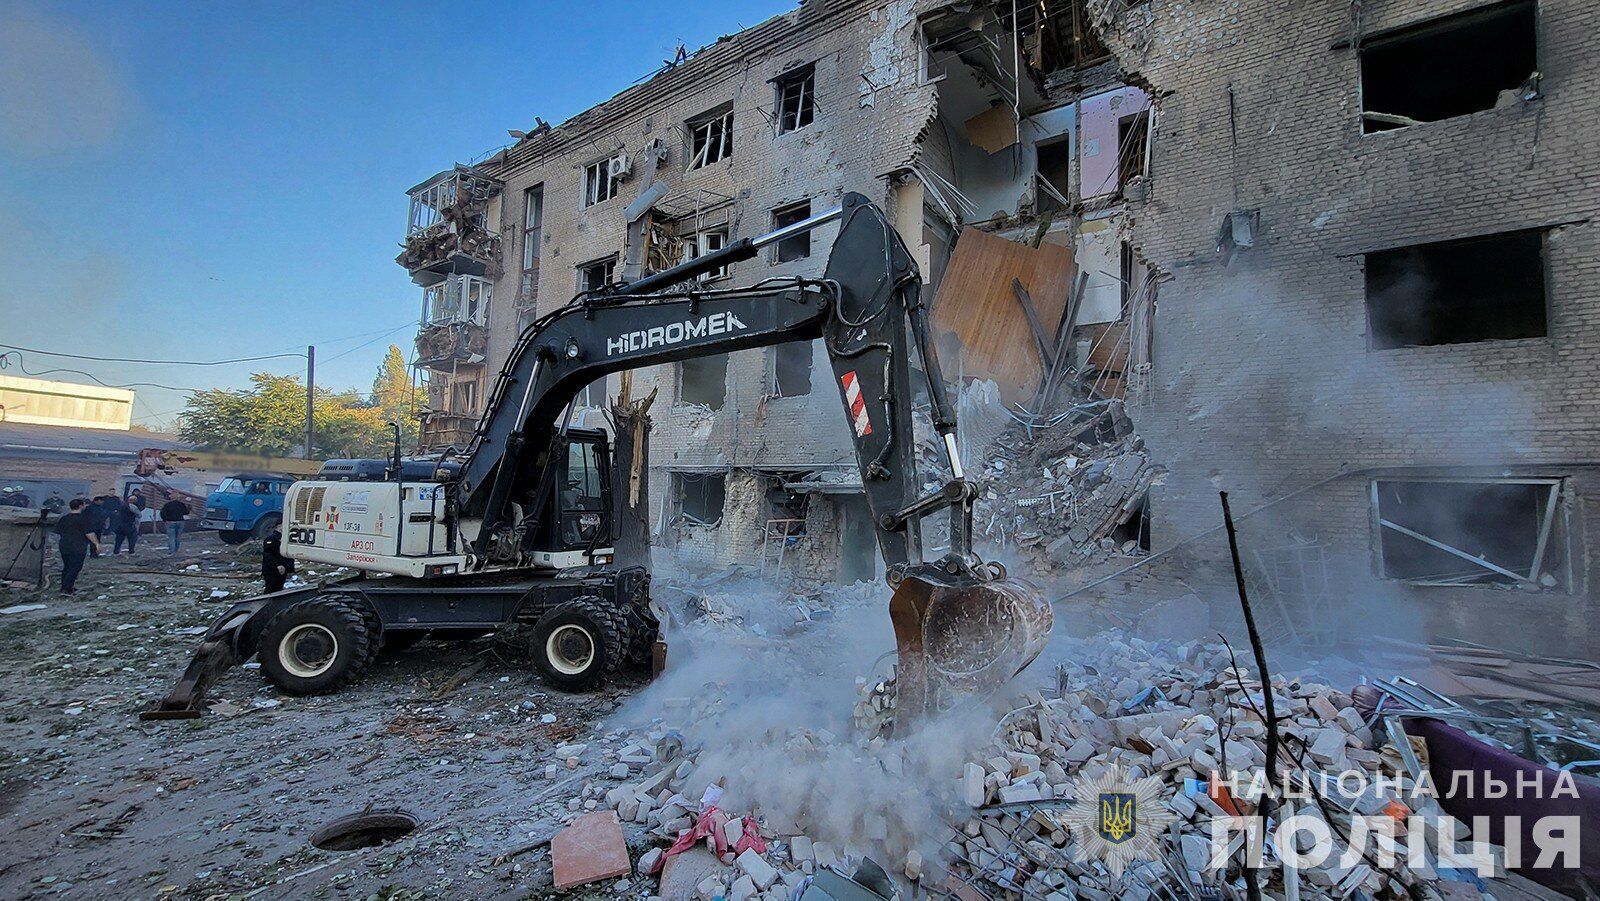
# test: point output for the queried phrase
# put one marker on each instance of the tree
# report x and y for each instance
(393, 395)
(269, 419)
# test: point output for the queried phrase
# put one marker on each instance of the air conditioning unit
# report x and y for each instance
(620, 166)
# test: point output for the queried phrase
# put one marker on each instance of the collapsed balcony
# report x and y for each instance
(448, 230)
(452, 409)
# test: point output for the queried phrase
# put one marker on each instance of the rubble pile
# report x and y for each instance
(1059, 495)
(995, 820)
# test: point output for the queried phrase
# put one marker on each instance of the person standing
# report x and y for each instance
(275, 567)
(125, 524)
(94, 521)
(74, 541)
(172, 514)
(108, 512)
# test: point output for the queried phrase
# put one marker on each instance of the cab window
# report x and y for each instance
(582, 491)
(260, 488)
(231, 486)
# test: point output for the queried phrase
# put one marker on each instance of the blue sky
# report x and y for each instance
(212, 180)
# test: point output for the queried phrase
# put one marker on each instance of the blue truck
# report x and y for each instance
(246, 505)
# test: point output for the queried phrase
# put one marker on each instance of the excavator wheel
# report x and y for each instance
(576, 644)
(962, 637)
(315, 646)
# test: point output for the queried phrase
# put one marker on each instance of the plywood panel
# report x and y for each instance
(976, 306)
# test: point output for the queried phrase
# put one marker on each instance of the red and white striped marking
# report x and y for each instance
(856, 403)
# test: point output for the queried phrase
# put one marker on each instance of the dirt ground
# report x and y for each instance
(96, 803)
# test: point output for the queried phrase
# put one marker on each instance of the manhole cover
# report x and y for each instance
(364, 830)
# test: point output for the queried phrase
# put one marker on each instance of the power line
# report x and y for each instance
(5, 359)
(56, 353)
(366, 343)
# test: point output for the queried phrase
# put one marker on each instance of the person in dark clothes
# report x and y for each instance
(108, 510)
(275, 567)
(172, 514)
(75, 539)
(94, 521)
(125, 523)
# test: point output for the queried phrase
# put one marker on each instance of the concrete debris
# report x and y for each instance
(1068, 494)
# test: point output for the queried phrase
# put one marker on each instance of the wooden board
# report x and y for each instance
(977, 307)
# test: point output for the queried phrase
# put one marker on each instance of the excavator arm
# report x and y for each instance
(959, 622)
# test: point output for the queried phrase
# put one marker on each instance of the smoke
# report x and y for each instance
(763, 684)
(57, 91)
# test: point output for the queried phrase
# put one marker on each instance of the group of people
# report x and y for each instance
(81, 531)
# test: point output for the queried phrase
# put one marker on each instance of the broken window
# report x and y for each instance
(701, 243)
(599, 183)
(786, 511)
(1133, 146)
(595, 275)
(1453, 292)
(704, 380)
(1489, 532)
(1054, 164)
(711, 137)
(1451, 66)
(532, 234)
(701, 496)
(794, 247)
(796, 90)
(457, 299)
(791, 369)
(464, 397)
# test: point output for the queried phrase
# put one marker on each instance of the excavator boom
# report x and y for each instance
(958, 621)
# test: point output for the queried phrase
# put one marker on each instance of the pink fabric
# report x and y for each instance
(710, 822)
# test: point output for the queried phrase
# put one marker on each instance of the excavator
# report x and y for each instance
(520, 528)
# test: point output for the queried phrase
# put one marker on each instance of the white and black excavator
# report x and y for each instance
(521, 527)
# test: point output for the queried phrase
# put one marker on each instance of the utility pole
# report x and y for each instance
(311, 393)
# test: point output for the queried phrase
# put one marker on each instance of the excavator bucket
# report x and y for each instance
(958, 636)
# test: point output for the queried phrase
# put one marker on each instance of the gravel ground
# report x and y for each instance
(96, 803)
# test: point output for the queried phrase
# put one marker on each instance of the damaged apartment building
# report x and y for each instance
(950, 116)
(1368, 226)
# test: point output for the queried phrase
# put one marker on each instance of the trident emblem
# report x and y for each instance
(1118, 821)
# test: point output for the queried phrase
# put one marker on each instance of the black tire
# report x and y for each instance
(294, 649)
(375, 635)
(578, 643)
(265, 525)
(234, 536)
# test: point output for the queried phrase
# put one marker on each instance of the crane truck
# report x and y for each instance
(520, 527)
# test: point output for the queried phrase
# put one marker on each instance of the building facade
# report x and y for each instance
(751, 458)
(1373, 226)
(1368, 227)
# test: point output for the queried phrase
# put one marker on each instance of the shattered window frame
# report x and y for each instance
(1427, 294)
(1549, 565)
(795, 93)
(705, 241)
(791, 356)
(705, 481)
(1501, 20)
(711, 137)
(599, 185)
(605, 267)
(794, 247)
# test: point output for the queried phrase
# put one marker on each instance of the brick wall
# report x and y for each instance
(1263, 380)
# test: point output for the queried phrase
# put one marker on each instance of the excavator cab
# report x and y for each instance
(574, 523)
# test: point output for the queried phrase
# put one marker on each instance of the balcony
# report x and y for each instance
(448, 230)
(454, 330)
(442, 430)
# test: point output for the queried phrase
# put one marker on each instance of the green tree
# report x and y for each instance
(269, 418)
(393, 395)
